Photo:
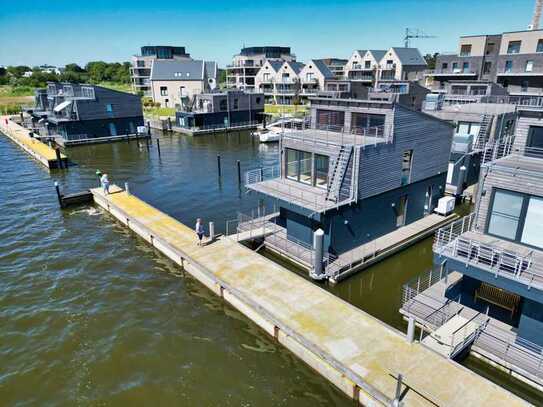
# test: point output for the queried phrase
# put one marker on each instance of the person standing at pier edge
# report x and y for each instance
(199, 230)
(105, 183)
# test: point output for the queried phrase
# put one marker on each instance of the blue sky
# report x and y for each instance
(62, 31)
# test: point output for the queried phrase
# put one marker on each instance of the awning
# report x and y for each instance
(62, 106)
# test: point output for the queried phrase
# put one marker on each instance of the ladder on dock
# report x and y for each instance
(338, 172)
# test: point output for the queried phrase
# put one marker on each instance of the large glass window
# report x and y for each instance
(330, 119)
(321, 171)
(539, 46)
(465, 50)
(513, 47)
(362, 121)
(533, 224)
(505, 214)
(534, 143)
(292, 164)
(303, 167)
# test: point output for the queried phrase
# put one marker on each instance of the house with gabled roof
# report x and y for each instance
(175, 81)
(402, 64)
(363, 65)
(313, 77)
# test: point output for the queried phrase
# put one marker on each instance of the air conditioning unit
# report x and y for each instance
(445, 205)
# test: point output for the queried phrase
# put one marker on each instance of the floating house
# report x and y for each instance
(210, 112)
(74, 113)
(360, 170)
(488, 266)
(480, 124)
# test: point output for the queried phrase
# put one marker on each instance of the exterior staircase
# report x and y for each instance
(338, 173)
(484, 133)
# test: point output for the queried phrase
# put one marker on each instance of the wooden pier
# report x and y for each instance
(354, 351)
(40, 151)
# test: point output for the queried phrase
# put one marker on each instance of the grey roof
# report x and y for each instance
(182, 70)
(276, 65)
(296, 66)
(361, 51)
(321, 66)
(409, 56)
(378, 54)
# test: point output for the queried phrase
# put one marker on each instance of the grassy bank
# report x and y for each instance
(286, 109)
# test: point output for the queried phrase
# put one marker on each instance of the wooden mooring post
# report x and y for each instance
(219, 165)
(239, 172)
(158, 146)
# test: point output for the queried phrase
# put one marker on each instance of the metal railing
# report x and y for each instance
(327, 134)
(447, 234)
(450, 241)
(221, 126)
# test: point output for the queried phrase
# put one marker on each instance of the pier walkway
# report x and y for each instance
(40, 151)
(356, 352)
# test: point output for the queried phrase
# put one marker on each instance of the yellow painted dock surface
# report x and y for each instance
(20, 135)
(356, 352)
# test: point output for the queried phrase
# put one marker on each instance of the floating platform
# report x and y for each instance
(378, 249)
(40, 151)
(354, 351)
(101, 140)
(214, 130)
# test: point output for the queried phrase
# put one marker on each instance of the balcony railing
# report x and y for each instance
(455, 241)
(329, 134)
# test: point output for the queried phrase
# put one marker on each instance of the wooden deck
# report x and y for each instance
(354, 351)
(40, 151)
(369, 253)
(497, 343)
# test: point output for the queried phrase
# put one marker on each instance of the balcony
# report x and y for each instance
(451, 72)
(461, 241)
(432, 300)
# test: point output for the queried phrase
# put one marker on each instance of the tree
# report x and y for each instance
(431, 60)
(73, 68)
(18, 71)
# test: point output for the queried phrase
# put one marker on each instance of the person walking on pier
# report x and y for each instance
(199, 231)
(105, 183)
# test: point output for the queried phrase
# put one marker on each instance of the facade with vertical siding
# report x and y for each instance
(78, 112)
(363, 169)
(502, 251)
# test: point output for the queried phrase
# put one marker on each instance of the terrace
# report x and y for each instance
(433, 299)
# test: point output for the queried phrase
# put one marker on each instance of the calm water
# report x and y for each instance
(89, 314)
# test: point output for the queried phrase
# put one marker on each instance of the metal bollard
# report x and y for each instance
(318, 237)
(127, 190)
(411, 330)
(59, 196)
(211, 231)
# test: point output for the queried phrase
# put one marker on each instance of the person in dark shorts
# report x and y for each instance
(199, 229)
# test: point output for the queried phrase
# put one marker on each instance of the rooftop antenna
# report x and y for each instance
(416, 33)
(537, 15)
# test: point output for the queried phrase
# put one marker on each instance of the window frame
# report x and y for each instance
(522, 216)
(539, 46)
(514, 42)
(529, 63)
